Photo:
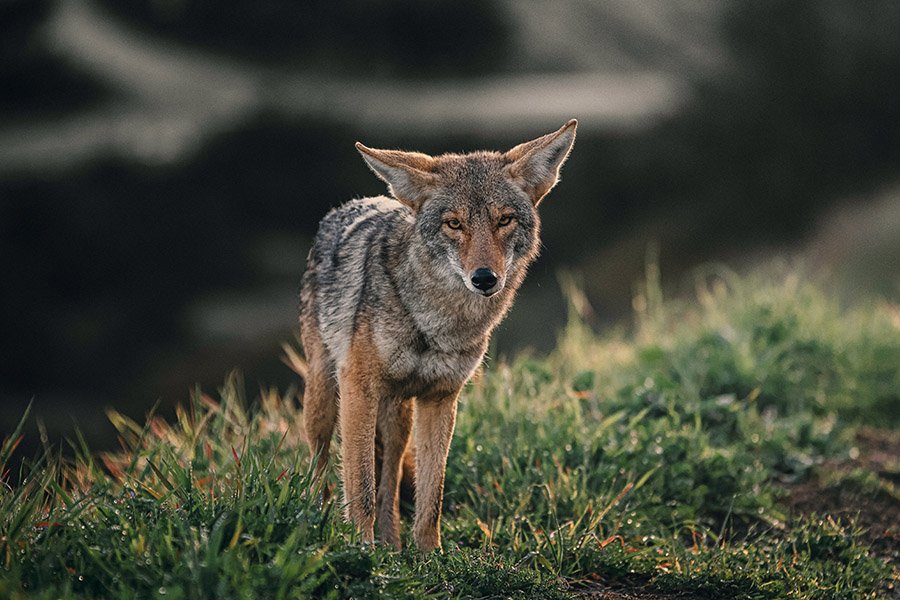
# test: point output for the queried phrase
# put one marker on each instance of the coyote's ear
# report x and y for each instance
(408, 174)
(535, 165)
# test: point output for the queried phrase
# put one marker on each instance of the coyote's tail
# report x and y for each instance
(294, 359)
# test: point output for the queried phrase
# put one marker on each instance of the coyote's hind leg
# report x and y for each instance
(320, 399)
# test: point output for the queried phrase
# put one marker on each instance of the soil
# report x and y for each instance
(876, 513)
(624, 590)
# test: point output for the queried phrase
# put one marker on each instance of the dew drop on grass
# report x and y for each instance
(81, 578)
(162, 591)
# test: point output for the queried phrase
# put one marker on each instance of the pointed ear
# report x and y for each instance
(408, 174)
(535, 165)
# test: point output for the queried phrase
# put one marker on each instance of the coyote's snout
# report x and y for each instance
(398, 302)
(478, 248)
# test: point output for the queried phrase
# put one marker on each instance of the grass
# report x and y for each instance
(657, 462)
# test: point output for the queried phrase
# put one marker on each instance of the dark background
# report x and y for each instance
(164, 163)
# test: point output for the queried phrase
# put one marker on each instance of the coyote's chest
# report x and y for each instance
(421, 365)
(443, 338)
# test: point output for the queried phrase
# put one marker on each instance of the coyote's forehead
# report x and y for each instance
(476, 183)
(476, 190)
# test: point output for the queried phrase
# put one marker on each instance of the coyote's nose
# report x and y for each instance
(484, 279)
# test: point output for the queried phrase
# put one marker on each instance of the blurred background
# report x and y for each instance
(164, 163)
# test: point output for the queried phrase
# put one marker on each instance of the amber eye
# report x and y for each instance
(505, 220)
(453, 223)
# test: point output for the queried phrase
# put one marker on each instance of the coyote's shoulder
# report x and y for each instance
(398, 302)
(348, 271)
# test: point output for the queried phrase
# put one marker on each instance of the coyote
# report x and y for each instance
(397, 304)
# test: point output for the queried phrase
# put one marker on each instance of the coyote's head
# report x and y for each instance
(478, 210)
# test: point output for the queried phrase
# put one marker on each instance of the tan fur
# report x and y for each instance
(320, 400)
(435, 420)
(362, 391)
(395, 421)
(368, 402)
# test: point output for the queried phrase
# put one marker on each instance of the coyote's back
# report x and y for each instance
(342, 278)
(398, 302)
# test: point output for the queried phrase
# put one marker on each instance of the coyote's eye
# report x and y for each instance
(453, 223)
(505, 220)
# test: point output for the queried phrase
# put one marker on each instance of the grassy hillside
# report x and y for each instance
(740, 444)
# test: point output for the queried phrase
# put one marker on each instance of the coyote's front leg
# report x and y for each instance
(359, 399)
(435, 418)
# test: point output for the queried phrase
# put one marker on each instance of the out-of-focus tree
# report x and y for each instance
(811, 109)
(34, 82)
(400, 38)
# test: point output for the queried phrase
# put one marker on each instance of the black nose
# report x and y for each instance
(484, 279)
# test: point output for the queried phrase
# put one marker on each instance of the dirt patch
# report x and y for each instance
(864, 488)
(622, 590)
(604, 594)
(880, 451)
